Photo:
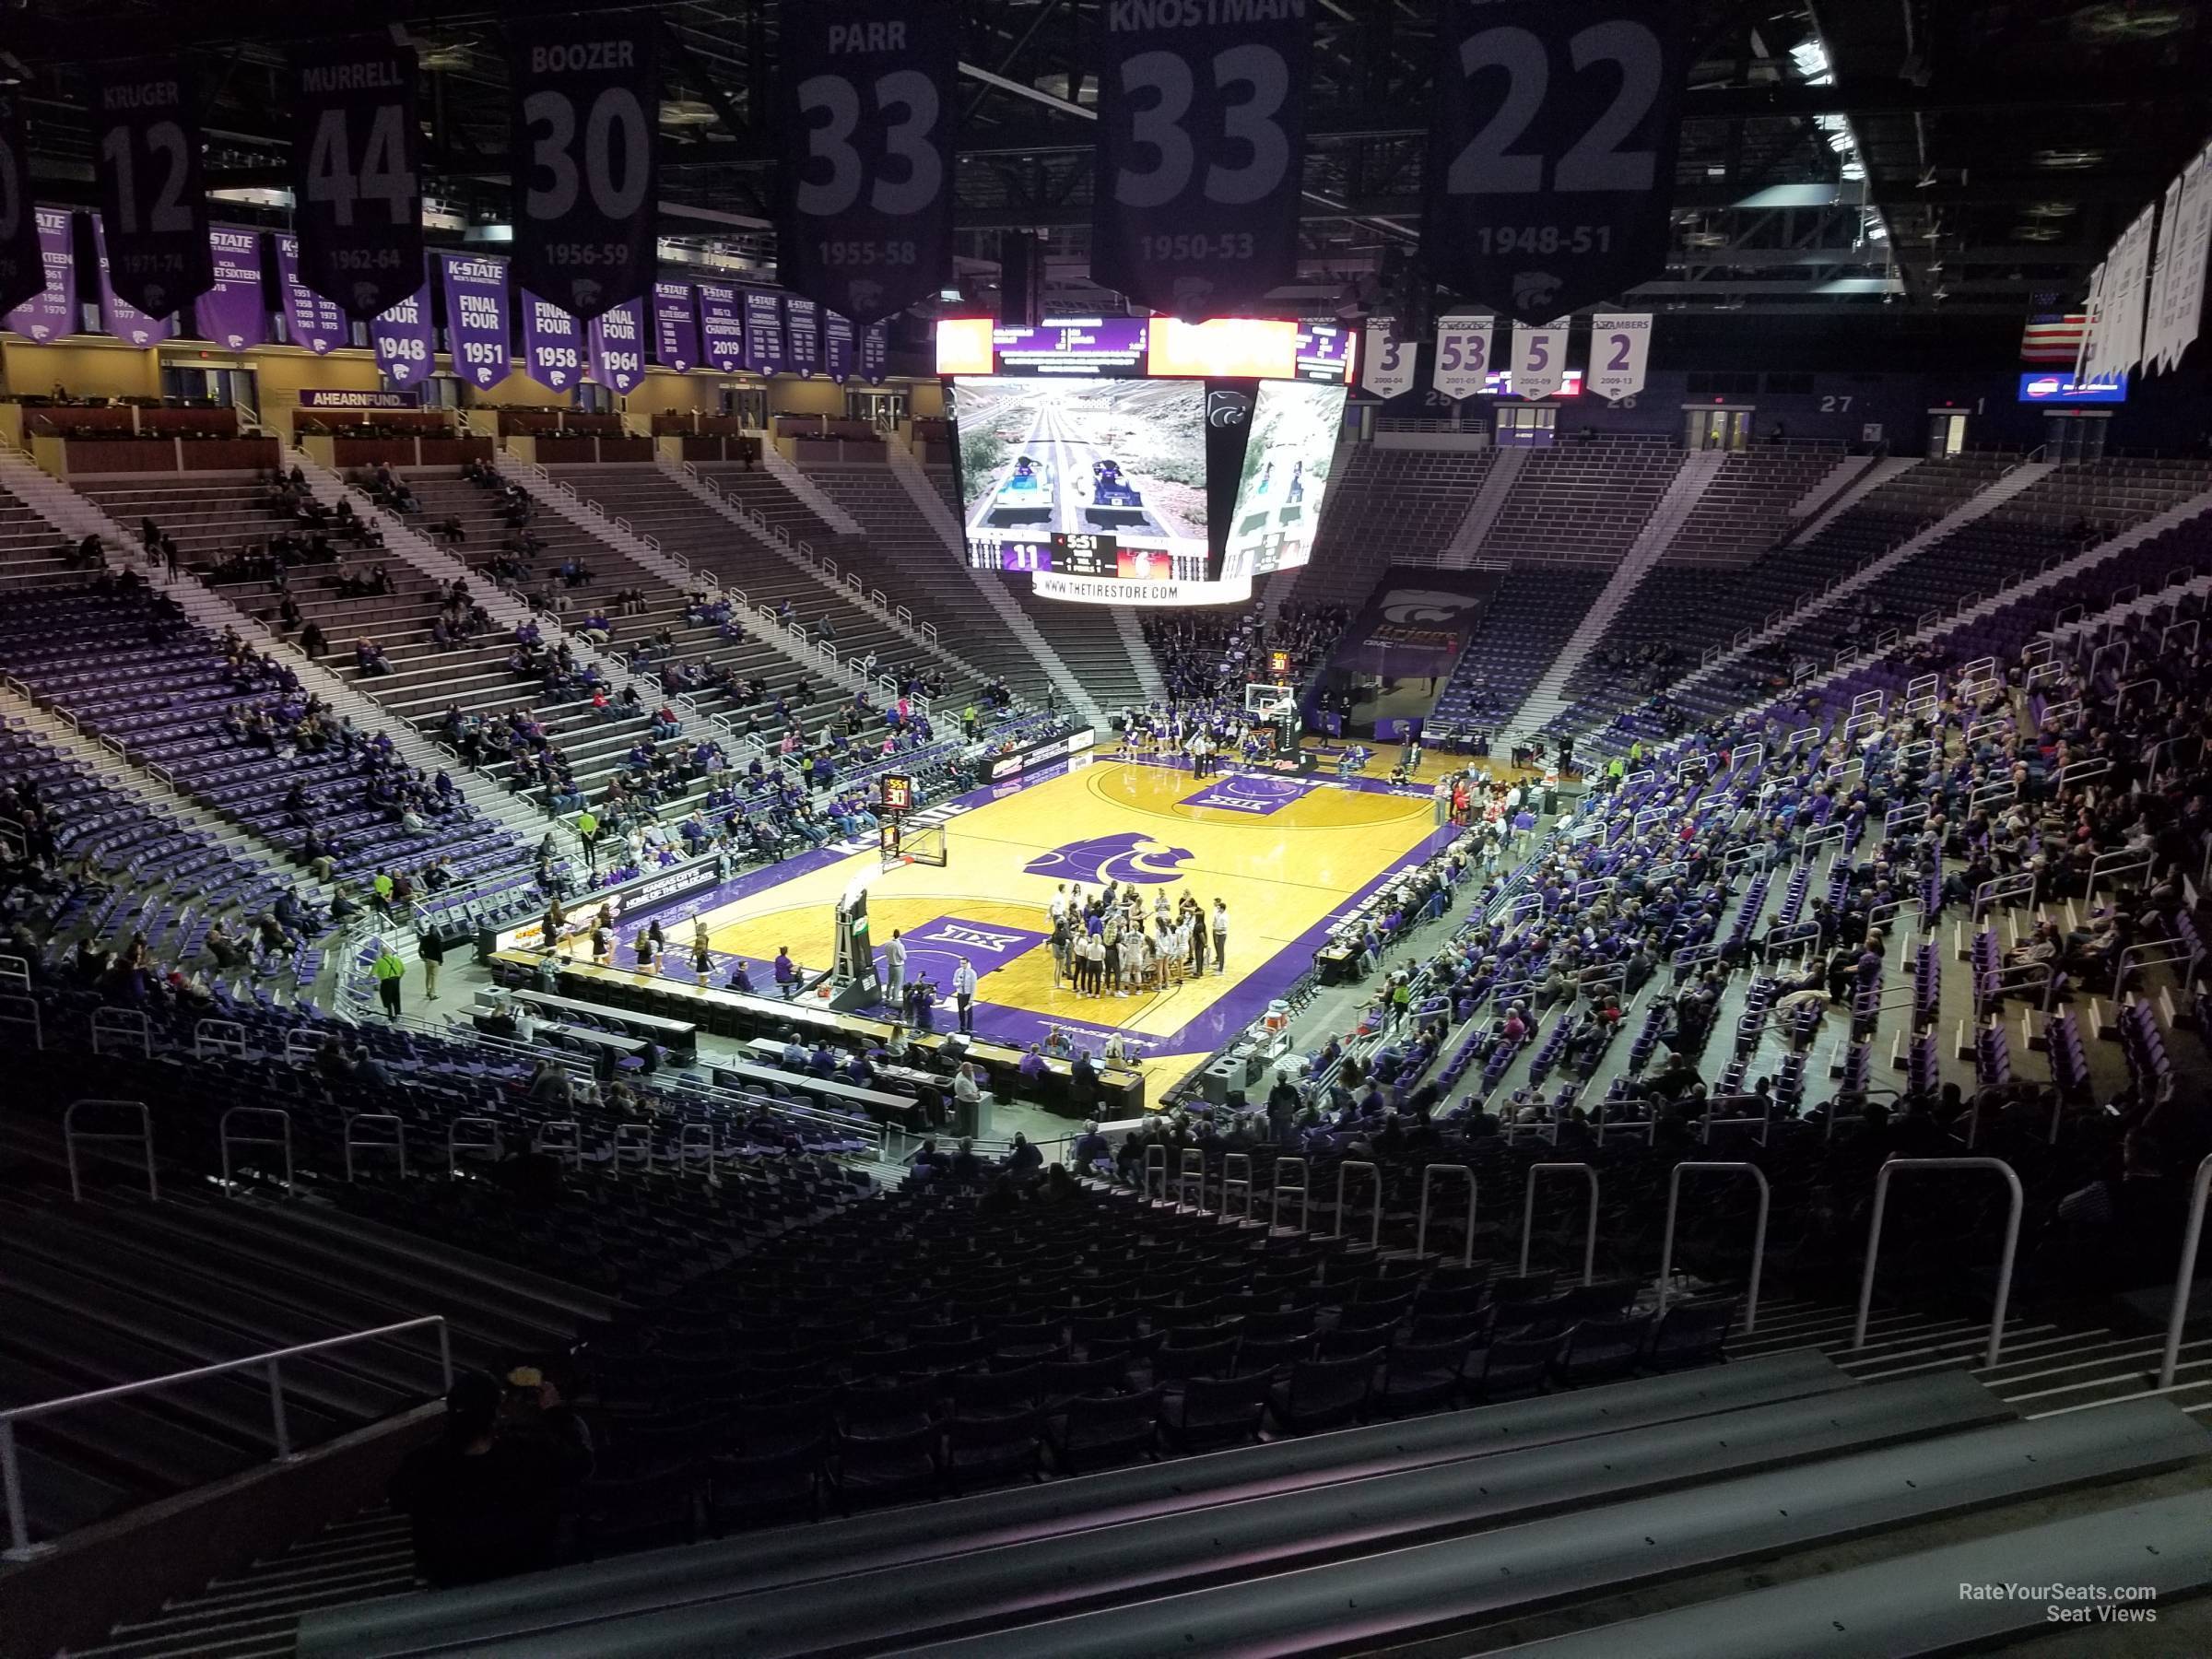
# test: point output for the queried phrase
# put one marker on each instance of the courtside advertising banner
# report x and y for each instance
(552, 344)
(1620, 348)
(764, 333)
(674, 327)
(866, 103)
(586, 92)
(50, 312)
(357, 172)
(309, 320)
(118, 316)
(146, 147)
(721, 327)
(1387, 364)
(1201, 148)
(402, 337)
(231, 313)
(1462, 355)
(1550, 167)
(1539, 364)
(618, 338)
(23, 275)
(477, 319)
(837, 346)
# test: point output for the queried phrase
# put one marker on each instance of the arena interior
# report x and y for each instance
(1104, 828)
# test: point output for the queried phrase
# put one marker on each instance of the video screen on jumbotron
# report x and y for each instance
(1286, 460)
(1084, 477)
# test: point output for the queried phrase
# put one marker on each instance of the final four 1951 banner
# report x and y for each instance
(586, 92)
(153, 206)
(357, 175)
(478, 316)
(1551, 150)
(865, 106)
(1201, 141)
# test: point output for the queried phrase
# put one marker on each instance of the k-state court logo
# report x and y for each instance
(1105, 858)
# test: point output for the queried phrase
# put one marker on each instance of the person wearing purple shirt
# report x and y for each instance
(787, 975)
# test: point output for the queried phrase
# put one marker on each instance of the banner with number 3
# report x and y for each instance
(1386, 363)
(1462, 355)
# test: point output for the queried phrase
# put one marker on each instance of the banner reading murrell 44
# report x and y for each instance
(356, 179)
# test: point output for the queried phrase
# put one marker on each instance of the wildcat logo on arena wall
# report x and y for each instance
(1421, 604)
(1128, 856)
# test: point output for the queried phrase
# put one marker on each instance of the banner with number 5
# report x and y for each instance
(1620, 346)
(357, 173)
(1550, 167)
(866, 104)
(1462, 355)
(1539, 365)
(586, 92)
(1200, 150)
(1386, 363)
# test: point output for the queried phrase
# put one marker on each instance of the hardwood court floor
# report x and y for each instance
(1285, 855)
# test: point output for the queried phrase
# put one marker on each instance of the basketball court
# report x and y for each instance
(1285, 852)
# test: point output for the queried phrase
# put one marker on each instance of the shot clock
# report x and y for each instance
(898, 796)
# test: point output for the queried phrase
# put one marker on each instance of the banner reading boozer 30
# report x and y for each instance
(587, 94)
(1202, 142)
(866, 104)
(356, 177)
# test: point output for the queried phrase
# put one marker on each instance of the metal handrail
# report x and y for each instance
(1759, 1238)
(397, 1143)
(72, 1134)
(2184, 1276)
(229, 1140)
(1190, 1171)
(1275, 1197)
(1420, 1231)
(1159, 1163)
(1236, 1184)
(1873, 1239)
(1528, 1216)
(11, 1476)
(1374, 1219)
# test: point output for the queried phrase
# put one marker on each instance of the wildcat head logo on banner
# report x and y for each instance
(1200, 150)
(357, 172)
(1620, 347)
(1462, 355)
(153, 206)
(866, 103)
(23, 272)
(586, 92)
(1387, 364)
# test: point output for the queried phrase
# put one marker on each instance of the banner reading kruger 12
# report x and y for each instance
(145, 139)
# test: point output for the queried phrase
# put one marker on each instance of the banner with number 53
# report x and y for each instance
(356, 177)
(1462, 355)
(1620, 347)
(1201, 148)
(586, 92)
(866, 104)
(1550, 167)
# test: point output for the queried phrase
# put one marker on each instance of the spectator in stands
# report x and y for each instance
(387, 971)
(429, 946)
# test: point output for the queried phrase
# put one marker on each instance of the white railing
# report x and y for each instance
(1374, 1216)
(271, 1363)
(72, 1137)
(1528, 1215)
(1873, 1239)
(2184, 1276)
(1420, 1234)
(1758, 1237)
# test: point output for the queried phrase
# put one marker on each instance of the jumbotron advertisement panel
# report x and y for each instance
(1143, 461)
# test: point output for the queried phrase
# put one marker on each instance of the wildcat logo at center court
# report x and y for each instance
(1127, 857)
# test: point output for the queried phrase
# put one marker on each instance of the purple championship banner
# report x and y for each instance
(865, 102)
(876, 353)
(309, 318)
(118, 316)
(764, 333)
(674, 327)
(23, 273)
(721, 326)
(586, 101)
(153, 201)
(552, 344)
(357, 171)
(803, 336)
(51, 312)
(837, 346)
(476, 317)
(231, 313)
(403, 340)
(618, 338)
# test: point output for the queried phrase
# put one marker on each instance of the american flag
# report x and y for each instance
(2052, 339)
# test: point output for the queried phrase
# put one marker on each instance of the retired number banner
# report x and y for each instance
(866, 104)
(1463, 356)
(22, 266)
(357, 172)
(1202, 143)
(586, 95)
(1551, 150)
(1620, 348)
(1386, 363)
(153, 206)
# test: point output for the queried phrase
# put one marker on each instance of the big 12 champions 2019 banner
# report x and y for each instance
(865, 105)
(357, 175)
(587, 94)
(1202, 143)
(1551, 150)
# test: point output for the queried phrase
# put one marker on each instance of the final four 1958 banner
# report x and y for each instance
(1201, 146)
